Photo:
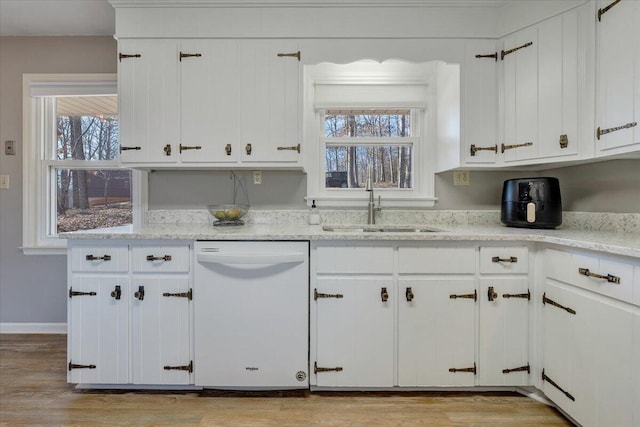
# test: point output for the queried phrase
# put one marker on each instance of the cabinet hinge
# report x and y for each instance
(317, 369)
(73, 293)
(188, 368)
(474, 149)
(188, 294)
(489, 55)
(317, 295)
(504, 147)
(507, 52)
(77, 366)
(525, 295)
(527, 368)
(291, 55)
(473, 296)
(553, 383)
(600, 132)
(546, 300)
(454, 370)
(122, 56)
(606, 9)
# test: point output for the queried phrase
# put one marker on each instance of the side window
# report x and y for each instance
(73, 179)
(87, 194)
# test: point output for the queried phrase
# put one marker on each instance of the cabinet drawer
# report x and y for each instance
(437, 260)
(165, 259)
(103, 259)
(585, 271)
(355, 259)
(510, 260)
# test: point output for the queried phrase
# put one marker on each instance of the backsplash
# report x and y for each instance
(586, 221)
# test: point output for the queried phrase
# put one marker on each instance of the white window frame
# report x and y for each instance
(390, 74)
(38, 201)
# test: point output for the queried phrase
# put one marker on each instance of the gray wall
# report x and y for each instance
(32, 288)
(611, 186)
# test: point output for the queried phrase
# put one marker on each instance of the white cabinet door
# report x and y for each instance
(160, 330)
(570, 351)
(269, 101)
(210, 101)
(480, 104)
(558, 86)
(504, 332)
(148, 101)
(354, 332)
(618, 77)
(614, 347)
(436, 332)
(520, 80)
(98, 340)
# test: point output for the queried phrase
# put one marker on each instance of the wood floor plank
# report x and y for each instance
(33, 391)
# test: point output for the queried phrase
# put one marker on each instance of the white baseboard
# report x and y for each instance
(33, 328)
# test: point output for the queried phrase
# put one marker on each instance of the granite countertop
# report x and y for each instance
(615, 242)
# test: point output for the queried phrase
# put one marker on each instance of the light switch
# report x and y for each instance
(4, 182)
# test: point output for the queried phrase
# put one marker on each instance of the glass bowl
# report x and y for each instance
(228, 212)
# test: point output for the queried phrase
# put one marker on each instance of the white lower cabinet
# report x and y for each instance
(129, 314)
(98, 322)
(354, 332)
(436, 332)
(591, 355)
(160, 330)
(504, 331)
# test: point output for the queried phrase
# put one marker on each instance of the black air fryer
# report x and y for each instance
(531, 203)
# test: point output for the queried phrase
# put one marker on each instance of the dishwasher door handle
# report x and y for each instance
(248, 258)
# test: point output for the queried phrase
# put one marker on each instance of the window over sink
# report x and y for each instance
(370, 118)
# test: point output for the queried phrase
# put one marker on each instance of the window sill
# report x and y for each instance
(360, 201)
(44, 250)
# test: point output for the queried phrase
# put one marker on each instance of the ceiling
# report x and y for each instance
(97, 17)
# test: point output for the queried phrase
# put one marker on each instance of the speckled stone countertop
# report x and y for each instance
(613, 233)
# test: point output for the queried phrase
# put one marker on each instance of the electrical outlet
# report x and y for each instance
(461, 178)
(257, 177)
(10, 148)
(4, 182)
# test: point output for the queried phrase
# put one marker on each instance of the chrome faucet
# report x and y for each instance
(371, 206)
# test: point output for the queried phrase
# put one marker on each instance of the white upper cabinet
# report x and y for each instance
(270, 107)
(479, 109)
(558, 86)
(519, 57)
(210, 101)
(148, 101)
(618, 78)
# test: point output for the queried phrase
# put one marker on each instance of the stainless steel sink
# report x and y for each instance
(380, 229)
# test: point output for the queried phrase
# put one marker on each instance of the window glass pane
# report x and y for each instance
(346, 166)
(87, 128)
(88, 199)
(367, 123)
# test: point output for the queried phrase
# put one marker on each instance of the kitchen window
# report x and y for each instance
(355, 139)
(72, 177)
(370, 118)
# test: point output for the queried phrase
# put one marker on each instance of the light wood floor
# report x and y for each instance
(33, 391)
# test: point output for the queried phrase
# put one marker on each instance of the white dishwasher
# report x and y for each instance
(251, 314)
